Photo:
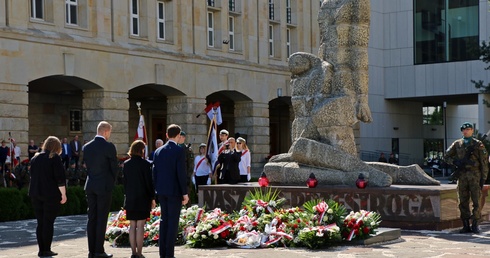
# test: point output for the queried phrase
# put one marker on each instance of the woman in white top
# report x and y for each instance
(244, 164)
(202, 169)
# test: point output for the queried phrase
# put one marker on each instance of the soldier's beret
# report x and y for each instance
(466, 125)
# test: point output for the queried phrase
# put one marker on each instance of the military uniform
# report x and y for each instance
(72, 176)
(471, 159)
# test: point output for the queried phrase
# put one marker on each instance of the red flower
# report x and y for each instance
(356, 231)
(224, 234)
(295, 226)
(366, 230)
(242, 228)
(255, 223)
(156, 237)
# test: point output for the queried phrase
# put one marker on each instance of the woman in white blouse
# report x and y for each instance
(202, 169)
(244, 164)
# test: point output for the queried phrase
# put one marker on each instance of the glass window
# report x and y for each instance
(71, 12)
(37, 9)
(231, 5)
(433, 115)
(288, 42)
(288, 11)
(231, 32)
(271, 41)
(446, 30)
(135, 18)
(271, 9)
(161, 20)
(210, 29)
(211, 3)
(75, 120)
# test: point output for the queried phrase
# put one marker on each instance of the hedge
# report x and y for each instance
(15, 204)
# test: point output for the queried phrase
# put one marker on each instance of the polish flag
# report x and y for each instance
(213, 108)
(141, 131)
(212, 145)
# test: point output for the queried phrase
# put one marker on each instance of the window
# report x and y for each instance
(211, 3)
(271, 40)
(446, 31)
(231, 32)
(231, 5)
(288, 11)
(75, 120)
(271, 9)
(37, 9)
(288, 42)
(135, 18)
(433, 115)
(71, 12)
(161, 20)
(210, 29)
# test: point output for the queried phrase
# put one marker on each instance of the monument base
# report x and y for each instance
(400, 206)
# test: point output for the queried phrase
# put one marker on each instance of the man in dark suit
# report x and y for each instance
(100, 156)
(65, 153)
(170, 179)
(75, 150)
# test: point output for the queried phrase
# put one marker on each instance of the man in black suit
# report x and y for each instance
(170, 179)
(65, 153)
(100, 156)
(75, 150)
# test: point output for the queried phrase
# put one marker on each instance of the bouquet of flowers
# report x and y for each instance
(326, 212)
(117, 231)
(319, 236)
(262, 201)
(188, 220)
(212, 230)
(152, 227)
(360, 224)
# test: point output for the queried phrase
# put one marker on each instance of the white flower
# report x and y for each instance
(196, 235)
(203, 236)
(319, 234)
(373, 223)
(215, 236)
(329, 211)
(272, 203)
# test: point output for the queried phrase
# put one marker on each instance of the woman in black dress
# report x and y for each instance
(139, 195)
(47, 191)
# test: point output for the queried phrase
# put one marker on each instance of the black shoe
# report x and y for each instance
(90, 255)
(102, 255)
(47, 254)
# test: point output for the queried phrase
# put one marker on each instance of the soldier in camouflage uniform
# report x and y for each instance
(189, 163)
(470, 158)
(72, 175)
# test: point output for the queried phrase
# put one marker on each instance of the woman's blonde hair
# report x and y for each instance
(53, 145)
(137, 148)
(243, 142)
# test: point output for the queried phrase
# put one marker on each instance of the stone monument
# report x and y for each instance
(329, 95)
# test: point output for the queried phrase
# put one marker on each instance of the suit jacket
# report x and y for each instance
(74, 152)
(138, 184)
(47, 174)
(66, 153)
(169, 170)
(100, 156)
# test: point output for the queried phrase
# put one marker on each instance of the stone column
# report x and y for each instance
(252, 119)
(483, 113)
(183, 111)
(100, 105)
(14, 102)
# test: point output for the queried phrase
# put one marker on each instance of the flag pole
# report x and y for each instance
(144, 128)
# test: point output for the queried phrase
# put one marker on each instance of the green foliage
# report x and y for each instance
(117, 198)
(484, 57)
(11, 203)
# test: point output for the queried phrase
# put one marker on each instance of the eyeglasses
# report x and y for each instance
(238, 143)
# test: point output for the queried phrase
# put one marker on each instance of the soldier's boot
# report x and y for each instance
(474, 227)
(466, 226)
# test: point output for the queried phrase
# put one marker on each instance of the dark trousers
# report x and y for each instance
(75, 158)
(45, 210)
(98, 211)
(169, 224)
(66, 161)
(201, 180)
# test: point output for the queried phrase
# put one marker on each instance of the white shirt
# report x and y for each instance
(244, 162)
(204, 169)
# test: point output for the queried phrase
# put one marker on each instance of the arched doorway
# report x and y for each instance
(280, 119)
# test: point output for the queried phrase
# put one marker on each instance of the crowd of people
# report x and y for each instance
(166, 176)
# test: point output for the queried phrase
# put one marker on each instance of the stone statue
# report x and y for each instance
(329, 95)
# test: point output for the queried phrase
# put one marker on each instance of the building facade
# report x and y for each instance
(66, 65)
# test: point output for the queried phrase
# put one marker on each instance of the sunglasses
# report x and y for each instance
(238, 143)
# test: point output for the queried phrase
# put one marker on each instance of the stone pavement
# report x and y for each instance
(17, 239)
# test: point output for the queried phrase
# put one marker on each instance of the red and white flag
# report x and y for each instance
(212, 109)
(212, 144)
(141, 133)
